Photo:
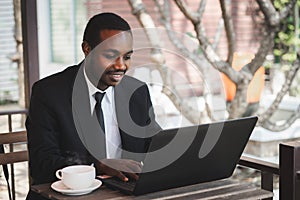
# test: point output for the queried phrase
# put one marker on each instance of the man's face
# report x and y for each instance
(108, 62)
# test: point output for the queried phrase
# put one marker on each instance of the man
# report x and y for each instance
(64, 125)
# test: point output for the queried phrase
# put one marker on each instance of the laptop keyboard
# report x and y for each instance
(117, 183)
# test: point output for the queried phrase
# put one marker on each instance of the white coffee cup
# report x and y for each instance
(77, 176)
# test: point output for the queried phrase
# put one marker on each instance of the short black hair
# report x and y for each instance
(100, 22)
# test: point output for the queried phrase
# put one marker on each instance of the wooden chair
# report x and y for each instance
(11, 157)
(288, 170)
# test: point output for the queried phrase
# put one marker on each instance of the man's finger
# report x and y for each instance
(121, 176)
(133, 175)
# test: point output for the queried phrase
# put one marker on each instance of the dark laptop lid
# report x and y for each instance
(190, 155)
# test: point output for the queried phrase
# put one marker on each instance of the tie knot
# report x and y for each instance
(99, 96)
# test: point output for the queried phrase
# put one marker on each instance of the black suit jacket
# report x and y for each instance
(61, 130)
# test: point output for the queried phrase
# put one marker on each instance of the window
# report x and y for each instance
(9, 91)
(67, 21)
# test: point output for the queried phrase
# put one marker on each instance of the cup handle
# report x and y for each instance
(58, 174)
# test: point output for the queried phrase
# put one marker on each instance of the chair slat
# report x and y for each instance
(9, 158)
(13, 137)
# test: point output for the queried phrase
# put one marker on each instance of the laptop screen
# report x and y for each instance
(195, 154)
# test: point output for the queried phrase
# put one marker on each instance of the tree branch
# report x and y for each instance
(267, 124)
(228, 30)
(208, 49)
(287, 10)
(166, 21)
(195, 58)
(201, 8)
(273, 18)
(157, 57)
(272, 21)
(218, 34)
(263, 118)
(269, 11)
(194, 17)
(266, 44)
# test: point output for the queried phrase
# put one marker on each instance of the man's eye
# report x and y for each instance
(109, 56)
(127, 57)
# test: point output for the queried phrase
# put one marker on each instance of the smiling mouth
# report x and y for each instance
(116, 75)
(118, 72)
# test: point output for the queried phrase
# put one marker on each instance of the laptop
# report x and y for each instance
(190, 155)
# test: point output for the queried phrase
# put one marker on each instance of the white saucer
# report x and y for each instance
(60, 187)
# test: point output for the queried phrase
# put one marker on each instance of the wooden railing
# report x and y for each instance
(9, 114)
(288, 171)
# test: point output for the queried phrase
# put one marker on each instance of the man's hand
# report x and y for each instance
(119, 168)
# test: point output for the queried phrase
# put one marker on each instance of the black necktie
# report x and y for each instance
(98, 109)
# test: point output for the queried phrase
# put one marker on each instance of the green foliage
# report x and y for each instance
(287, 42)
(287, 39)
(279, 4)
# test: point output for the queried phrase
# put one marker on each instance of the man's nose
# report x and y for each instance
(120, 64)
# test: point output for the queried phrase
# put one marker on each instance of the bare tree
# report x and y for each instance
(271, 24)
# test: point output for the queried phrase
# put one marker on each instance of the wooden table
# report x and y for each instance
(222, 189)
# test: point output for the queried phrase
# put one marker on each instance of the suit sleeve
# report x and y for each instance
(45, 156)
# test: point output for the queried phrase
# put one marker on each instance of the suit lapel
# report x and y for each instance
(130, 132)
(123, 96)
(87, 126)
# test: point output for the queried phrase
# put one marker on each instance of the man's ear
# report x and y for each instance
(86, 48)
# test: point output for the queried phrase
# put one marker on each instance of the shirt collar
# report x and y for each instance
(92, 89)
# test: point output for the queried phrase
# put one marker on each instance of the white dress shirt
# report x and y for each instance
(112, 134)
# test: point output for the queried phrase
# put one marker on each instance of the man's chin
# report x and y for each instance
(112, 83)
(115, 83)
